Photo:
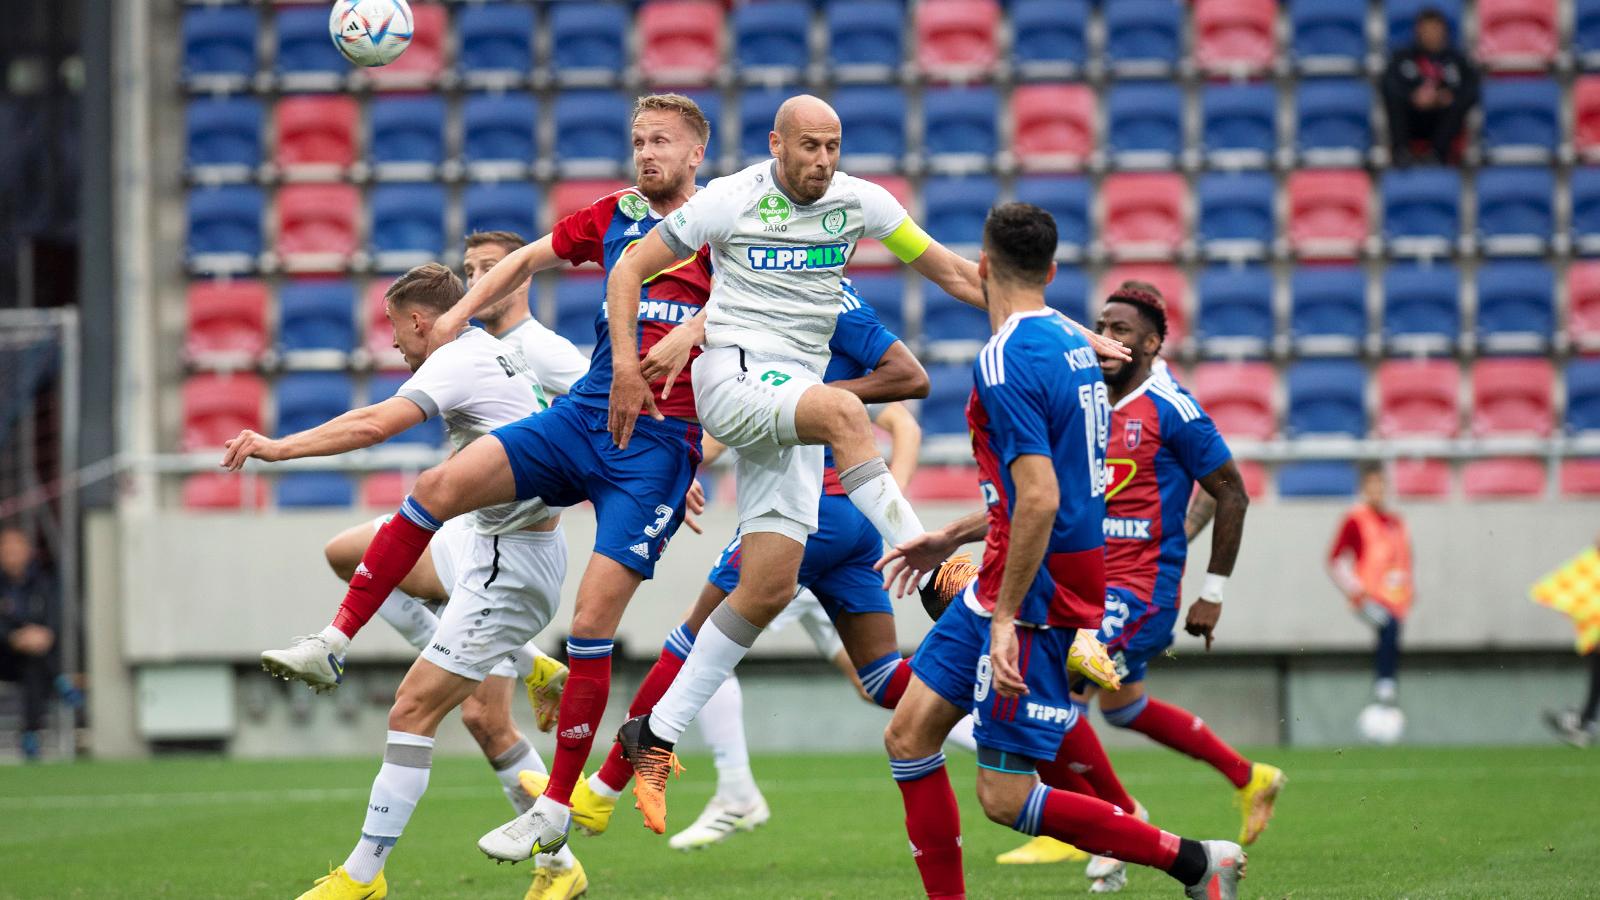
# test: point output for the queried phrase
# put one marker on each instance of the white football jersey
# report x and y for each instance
(777, 264)
(476, 384)
(552, 359)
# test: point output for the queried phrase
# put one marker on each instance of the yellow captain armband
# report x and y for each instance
(908, 241)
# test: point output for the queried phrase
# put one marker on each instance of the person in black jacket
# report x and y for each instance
(1428, 87)
(29, 613)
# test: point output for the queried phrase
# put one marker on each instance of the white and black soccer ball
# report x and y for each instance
(1381, 724)
(371, 32)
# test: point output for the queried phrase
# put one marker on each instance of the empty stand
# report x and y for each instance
(304, 58)
(864, 39)
(680, 41)
(406, 136)
(1235, 310)
(1143, 37)
(429, 433)
(425, 59)
(317, 226)
(944, 410)
(960, 127)
(1516, 306)
(1053, 126)
(1049, 37)
(316, 314)
(1512, 397)
(1144, 213)
(307, 399)
(592, 137)
(1067, 199)
(1421, 311)
(1328, 309)
(875, 119)
(1521, 119)
(1583, 308)
(1583, 396)
(1518, 34)
(224, 232)
(496, 42)
(1421, 209)
(588, 42)
(957, 40)
(1239, 398)
(223, 137)
(1333, 120)
(1068, 293)
(567, 197)
(946, 320)
(1327, 36)
(1326, 398)
(1419, 398)
(386, 490)
(1580, 477)
(502, 206)
(1236, 213)
(314, 490)
(1421, 479)
(1322, 478)
(227, 322)
(771, 39)
(222, 492)
(219, 44)
(1239, 123)
(1328, 212)
(217, 407)
(1516, 209)
(500, 133)
(1235, 37)
(956, 207)
(1503, 479)
(579, 298)
(1144, 123)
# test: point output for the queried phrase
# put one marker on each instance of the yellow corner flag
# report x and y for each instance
(1574, 589)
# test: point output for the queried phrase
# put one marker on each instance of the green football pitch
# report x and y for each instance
(1490, 823)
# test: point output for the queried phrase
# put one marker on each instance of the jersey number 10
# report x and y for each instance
(1096, 426)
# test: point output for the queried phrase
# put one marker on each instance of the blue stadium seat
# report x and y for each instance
(1144, 118)
(1583, 395)
(1422, 203)
(1143, 33)
(430, 432)
(885, 293)
(1516, 306)
(710, 103)
(1323, 478)
(1333, 114)
(957, 206)
(1400, 17)
(1326, 397)
(502, 206)
(1236, 207)
(1420, 305)
(1585, 188)
(316, 314)
(1328, 309)
(944, 412)
(1328, 30)
(1049, 37)
(1239, 118)
(875, 120)
(864, 36)
(1067, 198)
(225, 220)
(307, 399)
(1521, 118)
(1516, 207)
(578, 302)
(1586, 32)
(221, 41)
(944, 318)
(592, 127)
(308, 490)
(772, 35)
(223, 131)
(499, 128)
(1235, 308)
(303, 45)
(960, 122)
(757, 108)
(408, 219)
(588, 41)
(495, 38)
(406, 130)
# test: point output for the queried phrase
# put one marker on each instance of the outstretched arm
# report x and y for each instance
(354, 430)
(897, 376)
(496, 284)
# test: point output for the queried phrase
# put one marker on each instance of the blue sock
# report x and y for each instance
(1032, 811)
(680, 641)
(876, 675)
(1123, 716)
(912, 769)
(418, 516)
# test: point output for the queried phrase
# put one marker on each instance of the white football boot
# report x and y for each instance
(310, 659)
(1225, 862)
(718, 821)
(519, 839)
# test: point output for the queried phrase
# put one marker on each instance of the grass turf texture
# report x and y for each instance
(1455, 823)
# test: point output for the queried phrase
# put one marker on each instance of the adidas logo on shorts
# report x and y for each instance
(642, 550)
(578, 732)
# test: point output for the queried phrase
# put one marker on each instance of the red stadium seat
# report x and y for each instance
(1512, 397)
(1235, 36)
(957, 40)
(1419, 398)
(1238, 397)
(871, 254)
(1586, 114)
(939, 483)
(226, 319)
(224, 491)
(316, 131)
(1511, 478)
(217, 407)
(1145, 212)
(567, 197)
(1167, 279)
(318, 225)
(680, 41)
(1517, 34)
(1421, 478)
(380, 334)
(1328, 212)
(386, 490)
(1583, 288)
(1580, 477)
(1054, 126)
(424, 61)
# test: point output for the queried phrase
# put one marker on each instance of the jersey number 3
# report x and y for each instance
(663, 513)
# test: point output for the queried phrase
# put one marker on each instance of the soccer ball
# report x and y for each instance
(370, 32)
(1381, 724)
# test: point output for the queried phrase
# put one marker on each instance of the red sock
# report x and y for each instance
(583, 702)
(1082, 755)
(1092, 824)
(1187, 733)
(933, 822)
(896, 688)
(394, 550)
(616, 772)
(1058, 774)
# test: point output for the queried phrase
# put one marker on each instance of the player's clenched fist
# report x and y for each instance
(249, 445)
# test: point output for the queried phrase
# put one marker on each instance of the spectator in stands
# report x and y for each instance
(1370, 562)
(29, 611)
(1428, 87)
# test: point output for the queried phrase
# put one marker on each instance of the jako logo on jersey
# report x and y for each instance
(1119, 474)
(827, 256)
(577, 732)
(1045, 713)
(1128, 529)
(441, 649)
(1132, 433)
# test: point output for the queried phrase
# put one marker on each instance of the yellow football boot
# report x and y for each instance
(338, 885)
(545, 684)
(1256, 798)
(557, 883)
(590, 811)
(1088, 657)
(1042, 849)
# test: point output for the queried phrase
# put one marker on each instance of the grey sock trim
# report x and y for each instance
(861, 473)
(381, 840)
(736, 627)
(409, 755)
(505, 760)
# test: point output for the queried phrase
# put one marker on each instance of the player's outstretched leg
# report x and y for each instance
(933, 820)
(737, 804)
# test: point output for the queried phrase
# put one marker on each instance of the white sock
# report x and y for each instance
(601, 788)
(961, 735)
(722, 722)
(724, 640)
(874, 491)
(337, 640)
(522, 658)
(557, 814)
(409, 616)
(561, 859)
(518, 756)
(407, 760)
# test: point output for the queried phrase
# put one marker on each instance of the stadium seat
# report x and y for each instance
(579, 298)
(1053, 126)
(1144, 123)
(1328, 35)
(1419, 398)
(1236, 212)
(870, 253)
(502, 206)
(316, 314)
(944, 483)
(1583, 303)
(1521, 119)
(304, 56)
(875, 119)
(588, 43)
(960, 126)
(1586, 32)
(1516, 306)
(1512, 397)
(227, 321)
(592, 131)
(1068, 293)
(223, 134)
(1400, 18)
(1421, 209)
(1144, 212)
(379, 332)
(1420, 479)
(1328, 212)
(310, 490)
(567, 197)
(1516, 209)
(1583, 396)
(772, 39)
(710, 103)
(219, 42)
(1518, 34)
(317, 225)
(407, 223)
(1238, 397)
(1586, 116)
(757, 108)
(316, 134)
(307, 399)
(1580, 477)
(429, 433)
(1143, 36)
(1421, 310)
(406, 135)
(944, 411)
(956, 207)
(386, 490)
(224, 226)
(1166, 278)
(680, 41)
(864, 39)
(1585, 189)
(1239, 120)
(1235, 36)
(1322, 478)
(1328, 309)
(495, 41)
(885, 293)
(424, 60)
(217, 407)
(957, 40)
(1326, 397)
(223, 491)
(1067, 199)
(1509, 478)
(1049, 37)
(500, 131)
(946, 319)
(1333, 119)
(1235, 309)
